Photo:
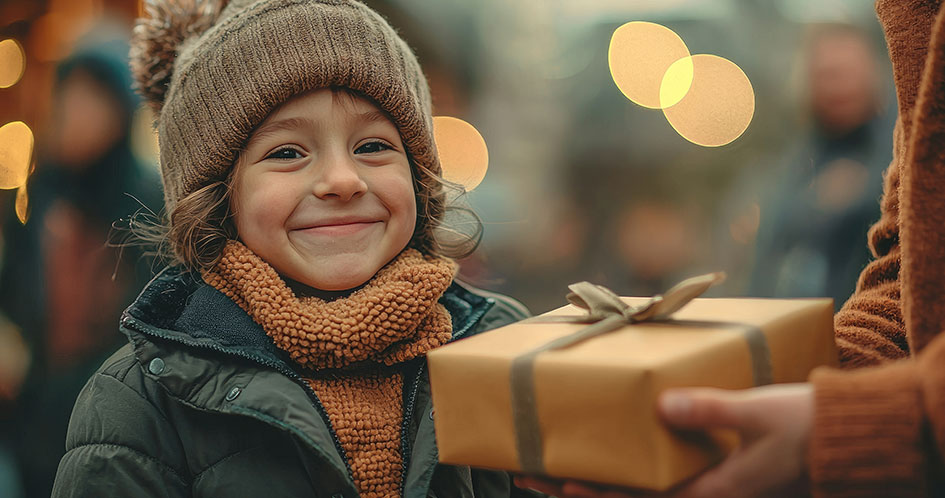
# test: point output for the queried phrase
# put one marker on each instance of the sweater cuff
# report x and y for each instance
(867, 434)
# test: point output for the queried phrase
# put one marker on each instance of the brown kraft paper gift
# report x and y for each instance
(587, 411)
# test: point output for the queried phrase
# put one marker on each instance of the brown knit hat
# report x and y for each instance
(213, 73)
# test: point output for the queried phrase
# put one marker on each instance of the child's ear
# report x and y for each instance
(158, 37)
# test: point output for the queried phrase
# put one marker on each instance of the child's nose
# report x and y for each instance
(339, 178)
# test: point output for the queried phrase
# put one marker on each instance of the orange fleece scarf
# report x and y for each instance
(394, 318)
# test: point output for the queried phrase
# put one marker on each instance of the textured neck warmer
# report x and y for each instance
(395, 317)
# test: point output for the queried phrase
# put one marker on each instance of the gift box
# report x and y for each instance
(572, 393)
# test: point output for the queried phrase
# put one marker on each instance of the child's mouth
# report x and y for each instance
(338, 229)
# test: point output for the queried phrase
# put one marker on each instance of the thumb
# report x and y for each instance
(705, 408)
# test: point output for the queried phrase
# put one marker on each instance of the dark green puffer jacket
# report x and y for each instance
(201, 403)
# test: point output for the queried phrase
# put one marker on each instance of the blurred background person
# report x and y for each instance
(60, 282)
(820, 204)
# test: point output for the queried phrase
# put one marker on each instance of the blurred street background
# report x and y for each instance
(582, 183)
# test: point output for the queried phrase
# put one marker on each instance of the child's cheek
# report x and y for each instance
(269, 200)
(398, 192)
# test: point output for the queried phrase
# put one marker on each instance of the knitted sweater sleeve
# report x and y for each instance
(879, 431)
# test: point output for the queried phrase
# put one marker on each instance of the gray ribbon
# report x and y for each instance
(606, 312)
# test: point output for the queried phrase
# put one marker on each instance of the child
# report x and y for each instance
(284, 355)
(878, 430)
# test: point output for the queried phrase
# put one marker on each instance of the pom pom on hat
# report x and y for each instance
(157, 38)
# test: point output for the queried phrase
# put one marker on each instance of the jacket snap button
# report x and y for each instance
(156, 367)
(230, 396)
(431, 414)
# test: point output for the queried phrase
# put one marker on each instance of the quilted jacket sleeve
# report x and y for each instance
(119, 443)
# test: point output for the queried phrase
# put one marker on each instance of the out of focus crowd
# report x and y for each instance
(582, 184)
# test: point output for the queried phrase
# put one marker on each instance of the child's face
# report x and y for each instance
(323, 191)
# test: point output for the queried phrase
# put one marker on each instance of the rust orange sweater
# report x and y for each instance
(880, 430)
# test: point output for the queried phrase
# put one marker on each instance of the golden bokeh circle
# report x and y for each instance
(12, 62)
(719, 105)
(16, 151)
(464, 156)
(639, 55)
(676, 82)
(22, 204)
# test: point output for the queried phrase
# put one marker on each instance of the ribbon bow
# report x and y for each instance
(601, 302)
(607, 312)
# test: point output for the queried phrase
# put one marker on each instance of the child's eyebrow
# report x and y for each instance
(291, 124)
(287, 124)
(372, 117)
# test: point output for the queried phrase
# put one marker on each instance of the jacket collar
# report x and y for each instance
(178, 305)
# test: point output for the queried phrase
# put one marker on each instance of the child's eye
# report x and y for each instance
(372, 147)
(285, 153)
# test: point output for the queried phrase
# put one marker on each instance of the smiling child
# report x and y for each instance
(283, 353)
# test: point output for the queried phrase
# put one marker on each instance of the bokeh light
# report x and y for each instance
(144, 136)
(16, 151)
(719, 105)
(464, 156)
(12, 62)
(22, 204)
(639, 56)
